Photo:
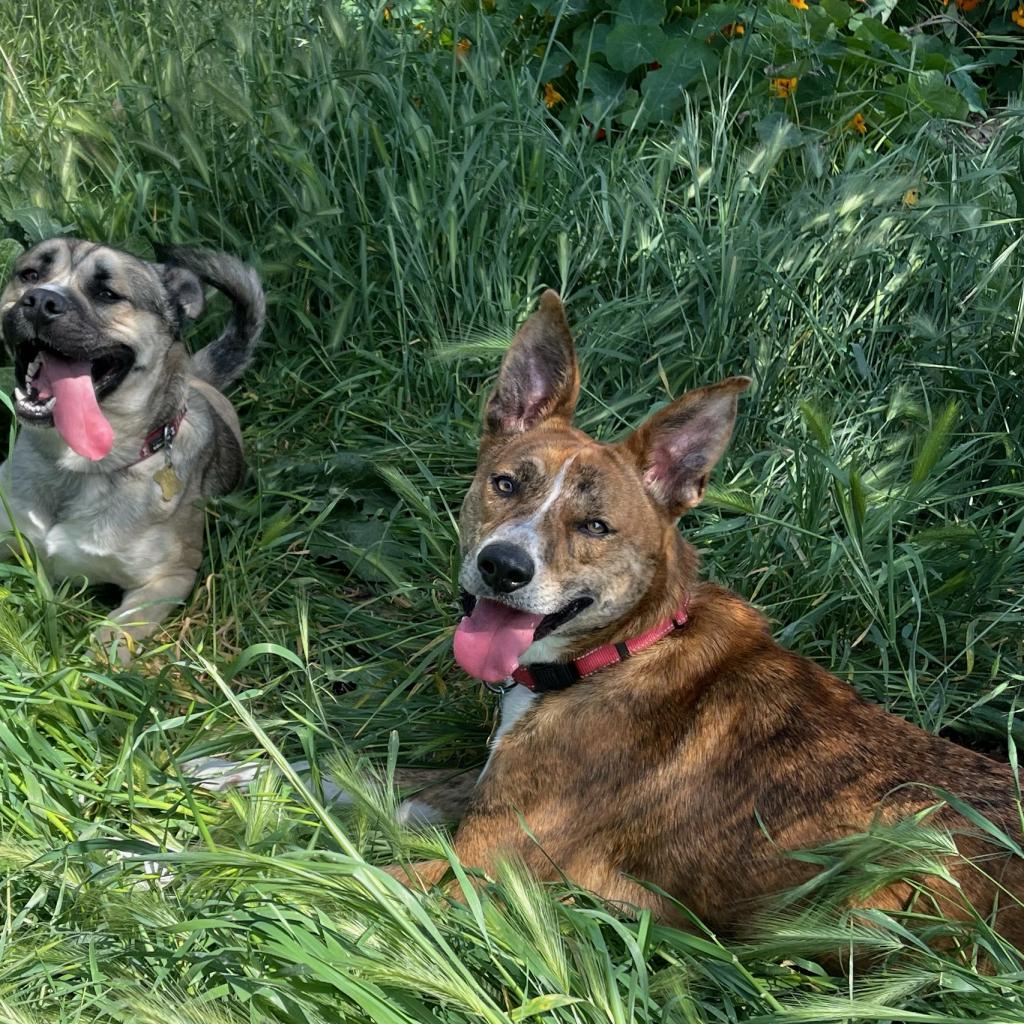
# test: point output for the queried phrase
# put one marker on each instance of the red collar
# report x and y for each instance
(559, 675)
(161, 437)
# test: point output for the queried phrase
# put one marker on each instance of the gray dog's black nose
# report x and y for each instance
(504, 567)
(43, 305)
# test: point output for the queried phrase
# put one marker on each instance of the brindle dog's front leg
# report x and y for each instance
(424, 875)
(487, 839)
(476, 848)
(421, 875)
(144, 608)
(472, 854)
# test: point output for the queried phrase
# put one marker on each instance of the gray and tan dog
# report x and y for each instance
(122, 432)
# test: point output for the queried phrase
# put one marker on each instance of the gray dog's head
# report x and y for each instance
(92, 329)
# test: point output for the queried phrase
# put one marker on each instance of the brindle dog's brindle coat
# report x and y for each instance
(698, 763)
(115, 519)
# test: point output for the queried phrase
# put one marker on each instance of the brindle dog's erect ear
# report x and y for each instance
(184, 290)
(539, 376)
(677, 448)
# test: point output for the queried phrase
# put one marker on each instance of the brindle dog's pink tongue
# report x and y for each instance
(76, 413)
(489, 642)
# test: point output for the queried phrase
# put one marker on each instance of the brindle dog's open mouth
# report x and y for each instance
(546, 625)
(493, 636)
(40, 370)
(551, 622)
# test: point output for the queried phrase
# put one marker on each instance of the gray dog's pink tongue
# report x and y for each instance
(76, 413)
(489, 642)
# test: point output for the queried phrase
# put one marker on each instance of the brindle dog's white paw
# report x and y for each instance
(217, 774)
(413, 813)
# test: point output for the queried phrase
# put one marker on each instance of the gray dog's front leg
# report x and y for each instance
(144, 608)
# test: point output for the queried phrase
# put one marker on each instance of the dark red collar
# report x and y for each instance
(161, 437)
(559, 675)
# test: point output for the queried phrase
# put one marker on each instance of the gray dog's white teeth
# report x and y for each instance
(32, 396)
(33, 368)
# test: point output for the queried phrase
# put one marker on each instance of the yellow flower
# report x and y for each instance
(858, 124)
(386, 13)
(800, 5)
(911, 196)
(782, 88)
(733, 29)
(462, 48)
(1018, 16)
(967, 5)
(552, 97)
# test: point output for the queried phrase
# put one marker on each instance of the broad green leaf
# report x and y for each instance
(664, 90)
(838, 11)
(882, 9)
(683, 62)
(938, 96)
(604, 90)
(870, 29)
(629, 46)
(640, 12)
(589, 41)
(969, 90)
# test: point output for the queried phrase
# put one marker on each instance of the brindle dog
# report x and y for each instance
(652, 730)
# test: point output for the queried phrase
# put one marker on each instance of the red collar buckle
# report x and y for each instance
(162, 437)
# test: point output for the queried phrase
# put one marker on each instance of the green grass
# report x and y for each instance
(405, 211)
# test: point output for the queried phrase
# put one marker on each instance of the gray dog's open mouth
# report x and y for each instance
(37, 363)
(64, 388)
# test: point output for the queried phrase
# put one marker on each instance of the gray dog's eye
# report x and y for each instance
(106, 295)
(28, 275)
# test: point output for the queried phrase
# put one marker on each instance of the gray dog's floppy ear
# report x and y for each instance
(184, 291)
(539, 376)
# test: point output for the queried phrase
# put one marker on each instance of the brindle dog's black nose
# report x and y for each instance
(504, 567)
(43, 305)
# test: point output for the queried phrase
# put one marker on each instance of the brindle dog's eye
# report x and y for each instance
(28, 275)
(504, 484)
(596, 528)
(106, 295)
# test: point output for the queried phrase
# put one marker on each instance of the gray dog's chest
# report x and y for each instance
(107, 529)
(86, 536)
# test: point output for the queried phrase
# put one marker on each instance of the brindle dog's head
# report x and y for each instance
(558, 526)
(83, 303)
